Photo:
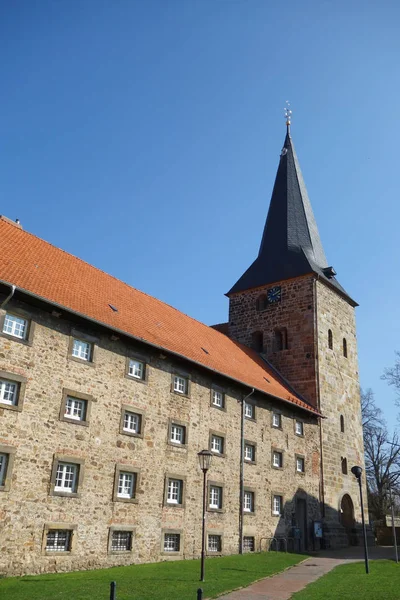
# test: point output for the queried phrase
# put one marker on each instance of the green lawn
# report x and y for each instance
(176, 580)
(349, 582)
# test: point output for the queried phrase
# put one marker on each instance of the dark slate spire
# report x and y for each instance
(290, 244)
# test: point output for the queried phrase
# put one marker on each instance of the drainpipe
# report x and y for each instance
(316, 346)
(241, 509)
(10, 295)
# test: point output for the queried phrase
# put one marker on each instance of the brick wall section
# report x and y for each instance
(37, 433)
(296, 313)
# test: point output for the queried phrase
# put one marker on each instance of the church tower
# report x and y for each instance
(290, 308)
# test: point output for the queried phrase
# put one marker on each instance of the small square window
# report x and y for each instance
(82, 350)
(132, 422)
(66, 478)
(277, 459)
(121, 541)
(8, 392)
(277, 503)
(217, 398)
(58, 540)
(249, 410)
(15, 326)
(215, 497)
(249, 453)
(136, 369)
(277, 420)
(299, 428)
(181, 385)
(75, 409)
(217, 444)
(177, 434)
(300, 464)
(174, 491)
(4, 458)
(214, 543)
(248, 543)
(172, 542)
(248, 501)
(126, 484)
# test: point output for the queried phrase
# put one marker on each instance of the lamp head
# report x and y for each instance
(356, 471)
(205, 457)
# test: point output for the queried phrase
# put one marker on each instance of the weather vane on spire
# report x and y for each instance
(288, 114)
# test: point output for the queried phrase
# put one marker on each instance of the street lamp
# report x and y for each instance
(357, 471)
(205, 457)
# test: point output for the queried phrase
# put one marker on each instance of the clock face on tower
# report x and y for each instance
(274, 294)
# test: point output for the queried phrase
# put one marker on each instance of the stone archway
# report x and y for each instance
(347, 515)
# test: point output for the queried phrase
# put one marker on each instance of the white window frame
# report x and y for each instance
(172, 542)
(217, 444)
(276, 420)
(215, 497)
(136, 369)
(4, 460)
(214, 543)
(5, 385)
(126, 484)
(16, 326)
(135, 419)
(64, 469)
(174, 491)
(78, 408)
(177, 434)
(300, 462)
(249, 452)
(299, 424)
(277, 459)
(249, 410)
(181, 385)
(248, 501)
(115, 545)
(65, 534)
(82, 350)
(277, 501)
(217, 398)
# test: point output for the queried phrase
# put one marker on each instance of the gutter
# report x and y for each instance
(10, 295)
(153, 345)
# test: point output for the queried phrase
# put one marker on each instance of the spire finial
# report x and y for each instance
(288, 115)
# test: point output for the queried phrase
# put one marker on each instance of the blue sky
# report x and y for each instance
(144, 137)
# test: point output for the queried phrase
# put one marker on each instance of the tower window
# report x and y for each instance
(330, 339)
(261, 302)
(342, 423)
(344, 465)
(257, 341)
(280, 339)
(345, 347)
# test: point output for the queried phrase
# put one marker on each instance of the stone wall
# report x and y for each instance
(37, 433)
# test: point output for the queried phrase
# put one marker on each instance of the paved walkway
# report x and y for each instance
(294, 579)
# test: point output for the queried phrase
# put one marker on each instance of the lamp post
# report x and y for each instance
(393, 526)
(205, 457)
(357, 471)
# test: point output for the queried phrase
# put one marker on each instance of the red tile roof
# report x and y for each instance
(37, 267)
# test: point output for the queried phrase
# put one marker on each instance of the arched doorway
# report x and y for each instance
(347, 515)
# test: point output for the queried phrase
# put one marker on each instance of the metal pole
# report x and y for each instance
(113, 590)
(364, 529)
(393, 528)
(203, 536)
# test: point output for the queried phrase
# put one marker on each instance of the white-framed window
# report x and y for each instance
(126, 485)
(248, 501)
(174, 491)
(276, 420)
(15, 326)
(299, 428)
(181, 384)
(75, 408)
(249, 452)
(248, 543)
(132, 422)
(215, 497)
(82, 350)
(214, 543)
(300, 464)
(217, 444)
(8, 392)
(249, 410)
(136, 369)
(217, 398)
(277, 505)
(3, 467)
(172, 542)
(66, 478)
(121, 541)
(177, 434)
(277, 459)
(58, 540)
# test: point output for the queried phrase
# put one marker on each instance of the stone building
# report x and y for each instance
(107, 395)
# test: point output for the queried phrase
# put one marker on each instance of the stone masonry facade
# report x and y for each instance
(36, 437)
